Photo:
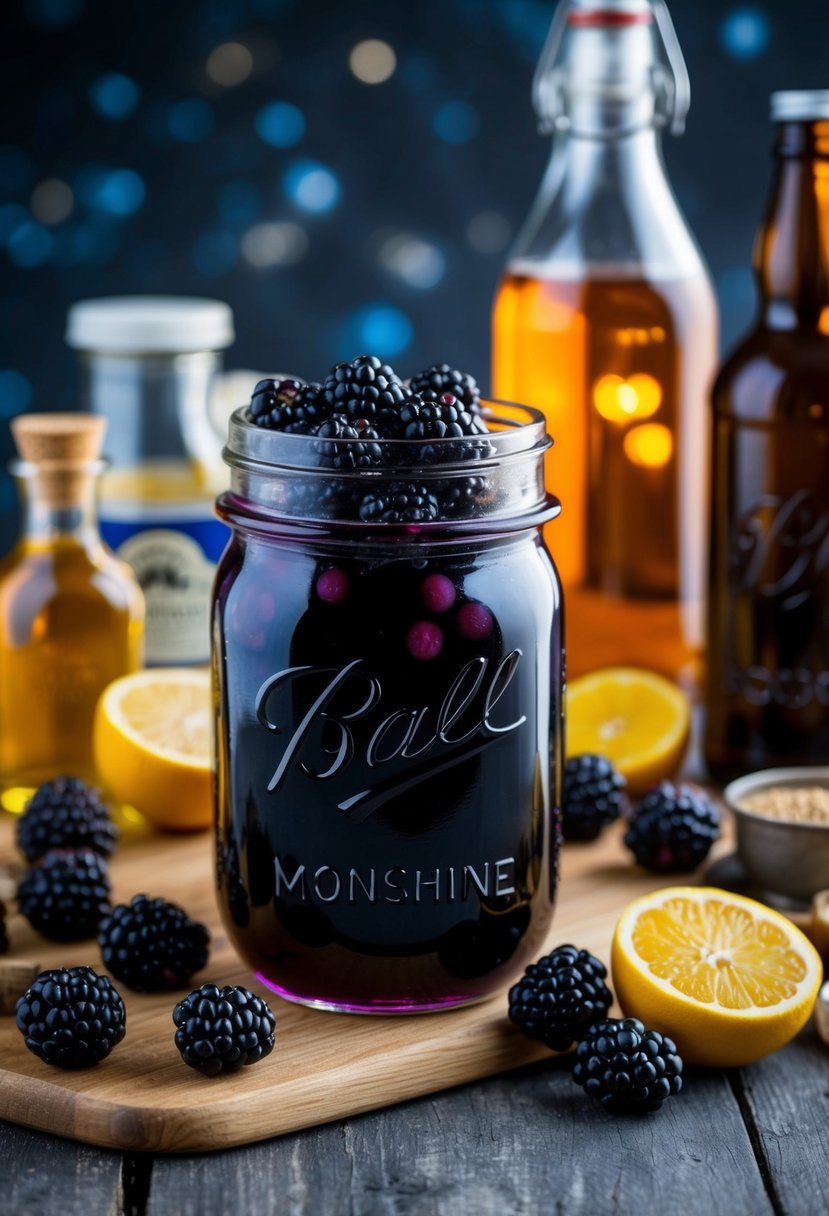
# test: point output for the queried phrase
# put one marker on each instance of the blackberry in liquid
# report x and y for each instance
(385, 717)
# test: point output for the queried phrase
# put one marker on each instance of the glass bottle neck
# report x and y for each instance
(47, 517)
(582, 163)
(792, 250)
(606, 207)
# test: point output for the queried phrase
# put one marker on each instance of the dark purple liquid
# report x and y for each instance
(384, 832)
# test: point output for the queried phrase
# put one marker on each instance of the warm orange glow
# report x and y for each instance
(650, 446)
(620, 400)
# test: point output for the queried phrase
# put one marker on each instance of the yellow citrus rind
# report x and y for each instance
(636, 718)
(152, 745)
(727, 978)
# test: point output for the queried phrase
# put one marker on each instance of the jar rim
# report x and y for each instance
(418, 484)
(251, 444)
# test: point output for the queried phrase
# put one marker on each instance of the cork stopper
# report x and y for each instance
(61, 447)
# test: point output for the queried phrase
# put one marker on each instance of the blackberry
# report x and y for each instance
(71, 1018)
(443, 419)
(221, 1029)
(559, 997)
(65, 814)
(65, 894)
(345, 443)
(400, 503)
(593, 796)
(151, 944)
(287, 405)
(673, 828)
(441, 378)
(366, 388)
(630, 1070)
(462, 496)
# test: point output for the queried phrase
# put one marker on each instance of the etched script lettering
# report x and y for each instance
(781, 548)
(470, 716)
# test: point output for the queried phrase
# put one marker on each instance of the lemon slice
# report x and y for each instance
(152, 744)
(728, 979)
(636, 718)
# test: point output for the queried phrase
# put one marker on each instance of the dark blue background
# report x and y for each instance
(393, 203)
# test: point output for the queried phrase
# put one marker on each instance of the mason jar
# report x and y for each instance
(388, 670)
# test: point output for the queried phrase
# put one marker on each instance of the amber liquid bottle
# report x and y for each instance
(71, 613)
(768, 690)
(605, 320)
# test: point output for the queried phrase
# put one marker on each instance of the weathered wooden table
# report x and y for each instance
(750, 1142)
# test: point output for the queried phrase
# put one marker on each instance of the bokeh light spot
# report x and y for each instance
(489, 232)
(54, 13)
(279, 243)
(215, 253)
(456, 122)
(190, 121)
(379, 327)
(118, 192)
(745, 33)
(15, 392)
(417, 262)
(52, 201)
(229, 64)
(619, 400)
(280, 124)
(650, 446)
(114, 96)
(372, 61)
(30, 245)
(312, 186)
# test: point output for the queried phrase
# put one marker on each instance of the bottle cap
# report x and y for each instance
(132, 325)
(619, 51)
(800, 105)
(63, 449)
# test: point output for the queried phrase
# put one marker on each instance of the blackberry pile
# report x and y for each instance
(66, 814)
(152, 945)
(65, 894)
(441, 378)
(366, 389)
(629, 1069)
(673, 828)
(593, 796)
(222, 1029)
(435, 419)
(71, 1018)
(559, 997)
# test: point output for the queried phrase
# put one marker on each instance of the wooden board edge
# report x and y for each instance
(226, 1124)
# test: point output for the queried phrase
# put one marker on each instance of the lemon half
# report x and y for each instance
(636, 718)
(152, 744)
(728, 979)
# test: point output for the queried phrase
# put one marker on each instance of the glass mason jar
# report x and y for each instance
(389, 716)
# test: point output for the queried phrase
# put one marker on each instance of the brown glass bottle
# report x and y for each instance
(768, 684)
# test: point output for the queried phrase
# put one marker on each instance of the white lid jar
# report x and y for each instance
(148, 364)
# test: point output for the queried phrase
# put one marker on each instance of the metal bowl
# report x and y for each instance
(787, 859)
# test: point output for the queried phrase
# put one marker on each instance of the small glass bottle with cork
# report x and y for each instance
(71, 613)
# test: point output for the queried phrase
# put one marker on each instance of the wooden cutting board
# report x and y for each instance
(325, 1066)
